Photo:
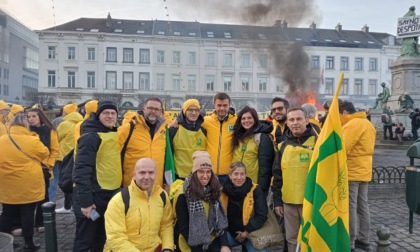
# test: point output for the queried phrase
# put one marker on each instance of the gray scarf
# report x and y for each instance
(217, 220)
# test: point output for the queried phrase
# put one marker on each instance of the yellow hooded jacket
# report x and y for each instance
(21, 177)
(219, 142)
(147, 224)
(65, 132)
(141, 145)
(359, 137)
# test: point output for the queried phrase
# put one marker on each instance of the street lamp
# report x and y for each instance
(17, 99)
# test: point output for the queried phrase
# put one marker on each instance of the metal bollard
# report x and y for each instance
(383, 239)
(48, 209)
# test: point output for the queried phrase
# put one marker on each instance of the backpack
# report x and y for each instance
(126, 198)
(65, 179)
(418, 120)
(385, 118)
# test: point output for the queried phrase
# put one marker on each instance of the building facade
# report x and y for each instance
(130, 60)
(18, 61)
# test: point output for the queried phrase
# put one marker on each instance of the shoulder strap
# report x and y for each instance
(126, 199)
(163, 197)
(126, 144)
(17, 146)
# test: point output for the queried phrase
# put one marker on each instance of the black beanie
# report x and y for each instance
(102, 105)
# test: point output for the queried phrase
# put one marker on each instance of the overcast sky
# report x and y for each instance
(380, 16)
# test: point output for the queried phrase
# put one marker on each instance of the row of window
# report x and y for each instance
(344, 63)
(357, 87)
(5, 89)
(177, 58)
(144, 81)
(4, 73)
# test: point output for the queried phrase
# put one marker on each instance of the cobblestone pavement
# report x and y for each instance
(393, 214)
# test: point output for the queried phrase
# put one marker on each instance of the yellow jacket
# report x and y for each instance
(359, 137)
(219, 142)
(21, 177)
(141, 145)
(65, 132)
(3, 128)
(54, 151)
(147, 224)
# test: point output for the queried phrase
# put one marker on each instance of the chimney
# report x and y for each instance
(365, 29)
(108, 20)
(277, 23)
(284, 24)
(339, 27)
(313, 26)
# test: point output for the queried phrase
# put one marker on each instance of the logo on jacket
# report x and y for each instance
(304, 157)
(199, 142)
(230, 127)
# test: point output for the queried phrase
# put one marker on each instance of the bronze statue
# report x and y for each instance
(405, 102)
(382, 97)
(409, 46)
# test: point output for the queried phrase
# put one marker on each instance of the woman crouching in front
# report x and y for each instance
(246, 207)
(199, 207)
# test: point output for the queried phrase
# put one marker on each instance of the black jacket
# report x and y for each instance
(87, 190)
(413, 116)
(236, 197)
(265, 155)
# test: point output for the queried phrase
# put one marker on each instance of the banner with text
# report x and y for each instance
(408, 27)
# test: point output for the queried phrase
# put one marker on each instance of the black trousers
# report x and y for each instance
(389, 128)
(26, 218)
(90, 235)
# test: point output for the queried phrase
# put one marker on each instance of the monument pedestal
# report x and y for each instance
(405, 79)
(375, 118)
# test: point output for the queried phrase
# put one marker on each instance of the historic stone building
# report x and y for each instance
(130, 60)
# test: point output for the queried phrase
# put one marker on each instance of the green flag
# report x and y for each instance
(169, 161)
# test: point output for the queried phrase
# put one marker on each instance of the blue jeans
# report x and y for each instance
(247, 243)
(52, 189)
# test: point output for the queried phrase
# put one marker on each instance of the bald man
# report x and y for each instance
(140, 212)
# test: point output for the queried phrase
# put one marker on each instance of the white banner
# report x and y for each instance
(408, 27)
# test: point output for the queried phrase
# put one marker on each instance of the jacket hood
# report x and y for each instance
(346, 118)
(264, 127)
(74, 117)
(182, 120)
(92, 124)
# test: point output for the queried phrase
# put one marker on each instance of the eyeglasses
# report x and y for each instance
(109, 113)
(153, 109)
(280, 109)
(192, 110)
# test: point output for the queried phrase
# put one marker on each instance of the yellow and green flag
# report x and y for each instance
(325, 216)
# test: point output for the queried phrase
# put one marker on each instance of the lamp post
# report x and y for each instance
(17, 99)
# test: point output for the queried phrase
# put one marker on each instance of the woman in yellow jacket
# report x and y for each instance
(40, 124)
(21, 178)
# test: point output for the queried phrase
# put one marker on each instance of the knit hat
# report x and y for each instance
(189, 103)
(90, 106)
(3, 105)
(70, 108)
(201, 160)
(102, 105)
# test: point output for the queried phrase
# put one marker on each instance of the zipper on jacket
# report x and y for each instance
(220, 147)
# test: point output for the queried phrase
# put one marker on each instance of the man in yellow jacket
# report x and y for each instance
(359, 137)
(279, 108)
(148, 139)
(143, 220)
(219, 126)
(4, 111)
